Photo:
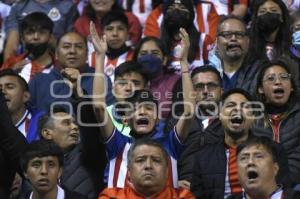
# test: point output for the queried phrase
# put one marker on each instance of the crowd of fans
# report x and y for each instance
(149, 99)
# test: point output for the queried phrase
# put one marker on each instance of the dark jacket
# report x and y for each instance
(84, 165)
(289, 138)
(288, 194)
(12, 145)
(209, 171)
(197, 138)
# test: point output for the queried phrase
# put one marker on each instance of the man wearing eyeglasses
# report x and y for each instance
(232, 48)
(205, 128)
(277, 90)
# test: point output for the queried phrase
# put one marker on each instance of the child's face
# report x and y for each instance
(43, 173)
(116, 34)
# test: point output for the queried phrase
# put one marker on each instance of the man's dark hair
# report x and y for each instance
(157, 42)
(113, 16)
(147, 142)
(205, 69)
(236, 91)
(36, 20)
(142, 96)
(264, 141)
(230, 17)
(67, 33)
(41, 148)
(21, 80)
(129, 67)
(47, 121)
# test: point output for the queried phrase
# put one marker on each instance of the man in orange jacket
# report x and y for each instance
(147, 173)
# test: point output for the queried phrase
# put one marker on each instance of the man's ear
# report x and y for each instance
(26, 96)
(165, 60)
(59, 172)
(25, 175)
(47, 134)
(276, 168)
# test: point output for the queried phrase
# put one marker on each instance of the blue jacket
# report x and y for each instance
(44, 91)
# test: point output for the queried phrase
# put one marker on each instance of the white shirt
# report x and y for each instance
(60, 193)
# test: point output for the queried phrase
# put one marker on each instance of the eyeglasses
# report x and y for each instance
(210, 86)
(271, 78)
(229, 34)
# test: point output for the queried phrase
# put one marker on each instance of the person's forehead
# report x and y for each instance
(72, 38)
(45, 159)
(269, 4)
(131, 76)
(232, 25)
(204, 77)
(9, 79)
(116, 24)
(274, 69)
(60, 116)
(255, 148)
(144, 149)
(149, 45)
(236, 97)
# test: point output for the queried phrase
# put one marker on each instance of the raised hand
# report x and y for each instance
(185, 44)
(99, 44)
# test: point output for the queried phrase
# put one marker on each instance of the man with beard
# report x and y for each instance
(205, 128)
(232, 48)
(215, 170)
(36, 29)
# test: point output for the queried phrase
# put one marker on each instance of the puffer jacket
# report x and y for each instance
(289, 138)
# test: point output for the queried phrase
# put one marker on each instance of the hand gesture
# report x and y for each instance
(71, 74)
(99, 44)
(185, 44)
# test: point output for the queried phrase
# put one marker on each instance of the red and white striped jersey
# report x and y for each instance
(206, 20)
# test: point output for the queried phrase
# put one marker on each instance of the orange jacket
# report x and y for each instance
(130, 193)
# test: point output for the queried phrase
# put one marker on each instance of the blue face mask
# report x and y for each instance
(151, 63)
(296, 39)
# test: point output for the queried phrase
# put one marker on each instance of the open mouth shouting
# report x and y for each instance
(236, 120)
(278, 92)
(252, 176)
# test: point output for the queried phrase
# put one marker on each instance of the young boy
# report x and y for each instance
(36, 30)
(42, 164)
(115, 28)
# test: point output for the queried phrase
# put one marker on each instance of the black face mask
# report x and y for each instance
(176, 19)
(268, 22)
(36, 50)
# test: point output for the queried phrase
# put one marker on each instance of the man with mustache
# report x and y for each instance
(205, 128)
(231, 50)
